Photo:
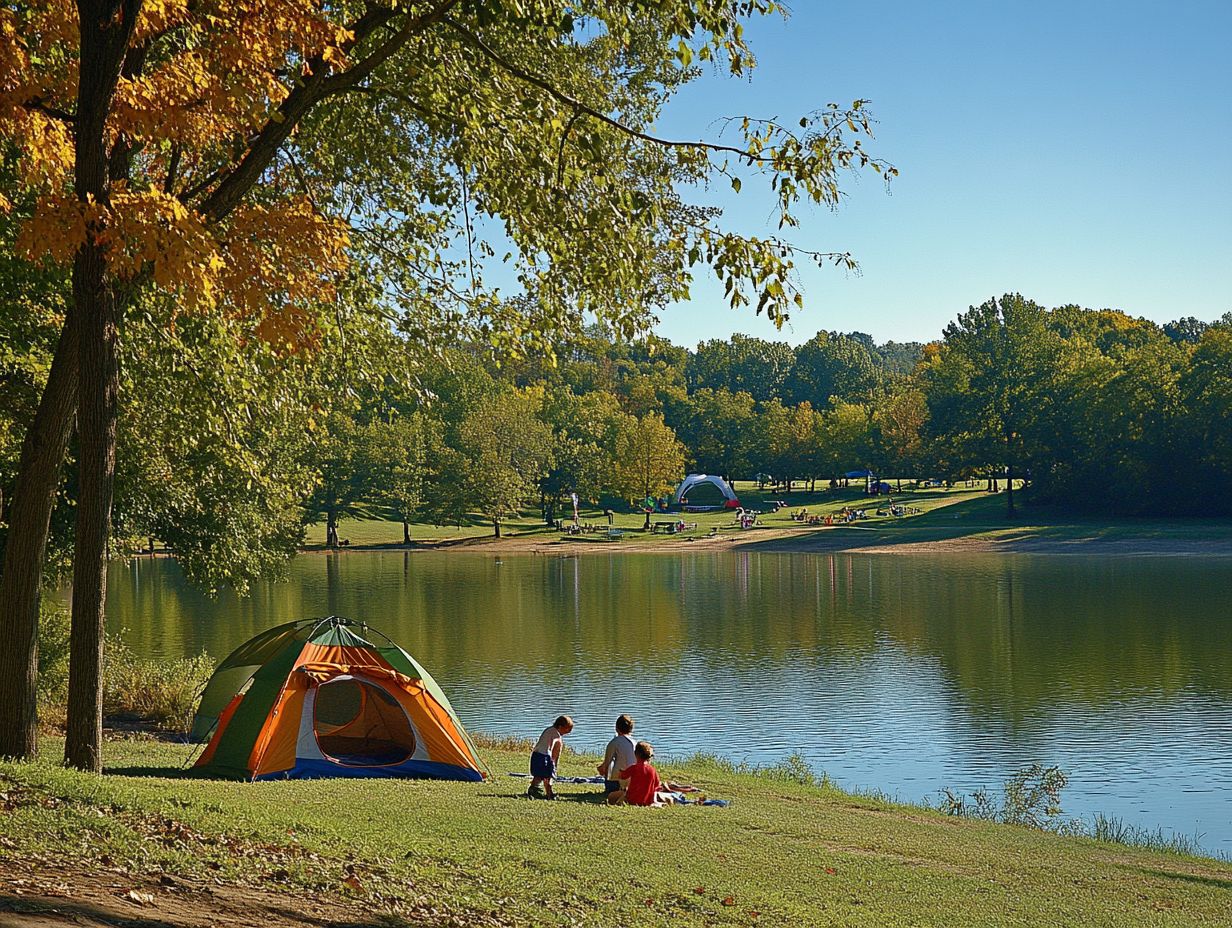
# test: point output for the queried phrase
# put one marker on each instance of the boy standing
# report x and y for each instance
(620, 754)
(546, 755)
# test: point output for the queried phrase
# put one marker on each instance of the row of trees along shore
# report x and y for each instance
(1098, 410)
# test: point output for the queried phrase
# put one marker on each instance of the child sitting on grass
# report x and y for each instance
(643, 781)
(619, 755)
(546, 755)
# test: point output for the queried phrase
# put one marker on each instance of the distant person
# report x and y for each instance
(546, 755)
(642, 778)
(620, 754)
(610, 516)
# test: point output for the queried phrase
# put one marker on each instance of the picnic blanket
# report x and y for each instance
(683, 799)
(599, 780)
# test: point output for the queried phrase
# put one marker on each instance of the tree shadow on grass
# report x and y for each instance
(1201, 879)
(166, 773)
(46, 911)
(49, 912)
(1036, 529)
(958, 520)
(594, 798)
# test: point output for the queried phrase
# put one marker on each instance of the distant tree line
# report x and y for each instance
(1093, 408)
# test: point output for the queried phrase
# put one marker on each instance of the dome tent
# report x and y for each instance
(692, 481)
(313, 698)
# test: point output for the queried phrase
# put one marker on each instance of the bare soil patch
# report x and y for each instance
(51, 896)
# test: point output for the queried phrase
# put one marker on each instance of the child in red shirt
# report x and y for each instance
(643, 779)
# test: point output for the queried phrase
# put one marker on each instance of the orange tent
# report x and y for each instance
(315, 699)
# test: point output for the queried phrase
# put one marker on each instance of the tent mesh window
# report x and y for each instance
(360, 725)
(705, 494)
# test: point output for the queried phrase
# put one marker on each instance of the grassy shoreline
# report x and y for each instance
(784, 853)
(960, 520)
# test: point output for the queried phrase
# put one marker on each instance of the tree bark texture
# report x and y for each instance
(96, 427)
(34, 497)
(106, 26)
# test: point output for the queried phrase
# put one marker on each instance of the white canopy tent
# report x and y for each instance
(680, 498)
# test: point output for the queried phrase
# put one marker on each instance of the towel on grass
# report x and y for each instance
(682, 798)
(599, 780)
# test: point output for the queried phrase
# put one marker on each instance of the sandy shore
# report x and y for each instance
(1016, 544)
(1061, 540)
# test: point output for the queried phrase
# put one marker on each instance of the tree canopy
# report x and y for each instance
(255, 159)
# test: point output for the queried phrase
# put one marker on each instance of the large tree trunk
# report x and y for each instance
(496, 528)
(34, 497)
(105, 28)
(96, 427)
(1009, 489)
(406, 532)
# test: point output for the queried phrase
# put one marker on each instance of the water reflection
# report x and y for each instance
(902, 673)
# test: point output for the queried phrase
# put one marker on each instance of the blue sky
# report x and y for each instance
(1074, 152)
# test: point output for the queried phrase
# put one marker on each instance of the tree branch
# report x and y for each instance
(318, 85)
(173, 167)
(37, 105)
(535, 80)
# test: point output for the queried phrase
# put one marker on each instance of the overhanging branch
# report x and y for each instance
(578, 106)
(319, 84)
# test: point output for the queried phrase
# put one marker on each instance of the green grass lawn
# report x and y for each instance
(783, 853)
(377, 532)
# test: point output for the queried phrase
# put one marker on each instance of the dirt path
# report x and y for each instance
(52, 896)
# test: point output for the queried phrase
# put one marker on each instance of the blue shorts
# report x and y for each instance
(541, 766)
(610, 786)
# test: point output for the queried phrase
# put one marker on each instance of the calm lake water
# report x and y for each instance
(899, 673)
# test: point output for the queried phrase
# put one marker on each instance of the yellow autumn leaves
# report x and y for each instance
(207, 75)
(262, 260)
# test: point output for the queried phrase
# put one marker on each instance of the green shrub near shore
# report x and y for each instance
(164, 692)
(786, 852)
(158, 693)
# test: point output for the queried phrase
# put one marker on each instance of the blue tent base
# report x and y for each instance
(315, 769)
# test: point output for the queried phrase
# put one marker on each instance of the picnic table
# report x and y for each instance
(674, 527)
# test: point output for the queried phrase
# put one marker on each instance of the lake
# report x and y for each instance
(900, 673)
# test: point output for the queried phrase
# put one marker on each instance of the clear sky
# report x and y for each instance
(1075, 152)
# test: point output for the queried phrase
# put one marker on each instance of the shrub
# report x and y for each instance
(485, 741)
(1031, 797)
(164, 692)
